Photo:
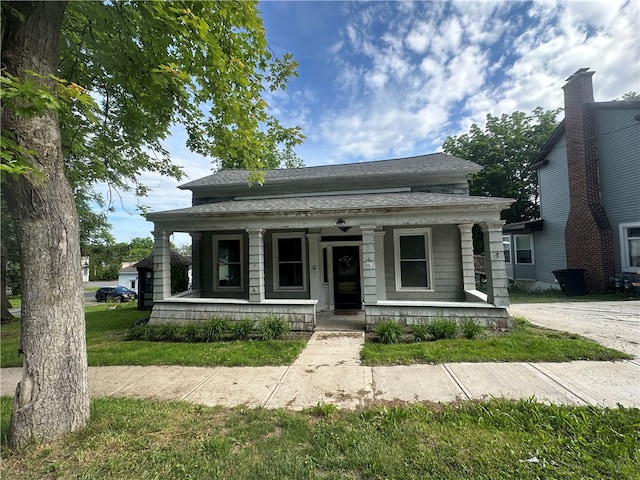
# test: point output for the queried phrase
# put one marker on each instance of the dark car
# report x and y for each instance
(115, 294)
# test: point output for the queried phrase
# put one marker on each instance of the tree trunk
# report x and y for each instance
(52, 397)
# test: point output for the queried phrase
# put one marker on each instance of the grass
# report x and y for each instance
(518, 295)
(15, 301)
(134, 439)
(524, 343)
(106, 345)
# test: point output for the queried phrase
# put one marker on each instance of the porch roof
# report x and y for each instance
(342, 203)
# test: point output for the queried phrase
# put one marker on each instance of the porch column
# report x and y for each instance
(369, 278)
(468, 268)
(315, 274)
(497, 283)
(380, 271)
(196, 238)
(161, 265)
(256, 265)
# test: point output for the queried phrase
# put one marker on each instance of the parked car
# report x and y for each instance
(115, 294)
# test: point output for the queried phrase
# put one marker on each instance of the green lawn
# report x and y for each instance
(524, 343)
(106, 345)
(499, 439)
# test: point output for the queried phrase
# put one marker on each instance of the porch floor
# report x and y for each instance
(339, 322)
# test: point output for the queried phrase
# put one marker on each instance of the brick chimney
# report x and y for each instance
(588, 236)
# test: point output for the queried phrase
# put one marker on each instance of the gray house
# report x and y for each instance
(589, 180)
(387, 239)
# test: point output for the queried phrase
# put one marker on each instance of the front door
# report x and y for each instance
(346, 277)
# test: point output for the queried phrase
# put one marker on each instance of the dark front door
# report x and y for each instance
(346, 278)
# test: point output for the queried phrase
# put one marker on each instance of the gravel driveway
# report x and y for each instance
(613, 324)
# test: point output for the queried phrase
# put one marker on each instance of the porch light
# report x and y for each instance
(340, 224)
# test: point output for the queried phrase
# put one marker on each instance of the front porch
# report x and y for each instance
(408, 261)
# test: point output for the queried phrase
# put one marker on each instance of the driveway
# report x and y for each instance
(613, 324)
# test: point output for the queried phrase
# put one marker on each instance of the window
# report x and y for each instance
(506, 246)
(228, 255)
(630, 246)
(524, 249)
(289, 262)
(412, 250)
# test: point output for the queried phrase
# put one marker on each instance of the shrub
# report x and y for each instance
(442, 328)
(389, 331)
(215, 329)
(190, 332)
(141, 332)
(242, 329)
(471, 328)
(272, 327)
(167, 332)
(420, 333)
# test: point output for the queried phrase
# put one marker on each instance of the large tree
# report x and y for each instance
(505, 148)
(147, 66)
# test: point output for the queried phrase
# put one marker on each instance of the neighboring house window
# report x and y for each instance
(506, 245)
(228, 255)
(289, 261)
(524, 249)
(630, 246)
(413, 266)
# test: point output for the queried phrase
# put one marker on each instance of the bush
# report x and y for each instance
(272, 327)
(215, 329)
(442, 328)
(420, 333)
(242, 329)
(471, 328)
(190, 333)
(167, 332)
(389, 331)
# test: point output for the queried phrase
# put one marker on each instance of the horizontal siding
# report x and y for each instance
(619, 163)
(447, 266)
(549, 246)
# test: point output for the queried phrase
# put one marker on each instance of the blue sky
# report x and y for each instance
(391, 79)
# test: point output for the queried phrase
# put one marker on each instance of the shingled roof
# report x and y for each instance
(321, 203)
(422, 164)
(177, 260)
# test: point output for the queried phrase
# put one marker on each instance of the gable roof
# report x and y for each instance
(540, 159)
(423, 164)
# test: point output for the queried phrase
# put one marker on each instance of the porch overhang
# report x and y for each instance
(408, 208)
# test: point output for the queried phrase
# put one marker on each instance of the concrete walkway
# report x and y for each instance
(329, 370)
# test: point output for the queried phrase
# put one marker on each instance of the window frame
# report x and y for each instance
(506, 247)
(428, 244)
(516, 249)
(275, 237)
(624, 246)
(216, 262)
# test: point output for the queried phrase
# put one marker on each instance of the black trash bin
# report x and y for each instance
(571, 281)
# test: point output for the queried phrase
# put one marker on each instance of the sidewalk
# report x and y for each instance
(328, 370)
